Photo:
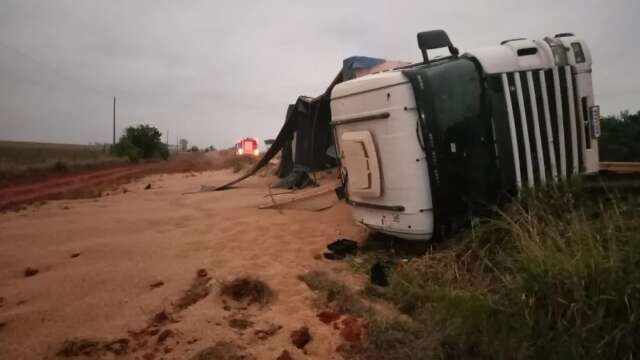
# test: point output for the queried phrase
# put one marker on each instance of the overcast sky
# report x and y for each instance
(215, 71)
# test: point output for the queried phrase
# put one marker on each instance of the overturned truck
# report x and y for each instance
(423, 147)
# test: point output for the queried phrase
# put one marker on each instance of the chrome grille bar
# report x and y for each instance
(536, 128)
(572, 121)
(560, 117)
(525, 130)
(547, 118)
(512, 129)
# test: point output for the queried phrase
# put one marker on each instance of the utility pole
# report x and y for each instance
(114, 120)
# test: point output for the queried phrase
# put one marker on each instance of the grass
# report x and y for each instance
(248, 288)
(239, 162)
(554, 275)
(343, 299)
(21, 159)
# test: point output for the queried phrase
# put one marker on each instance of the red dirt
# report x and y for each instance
(91, 183)
(328, 316)
(352, 330)
(301, 337)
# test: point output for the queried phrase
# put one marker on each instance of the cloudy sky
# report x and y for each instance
(214, 71)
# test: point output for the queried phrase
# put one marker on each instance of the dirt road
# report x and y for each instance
(91, 183)
(111, 273)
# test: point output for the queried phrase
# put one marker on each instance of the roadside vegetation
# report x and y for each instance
(141, 142)
(30, 159)
(620, 139)
(554, 275)
(27, 159)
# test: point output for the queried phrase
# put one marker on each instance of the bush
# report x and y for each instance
(141, 142)
(620, 140)
(163, 151)
(553, 276)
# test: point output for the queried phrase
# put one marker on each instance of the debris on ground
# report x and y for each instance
(147, 187)
(222, 350)
(269, 331)
(160, 318)
(75, 255)
(284, 356)
(117, 347)
(341, 248)
(352, 330)
(202, 273)
(164, 335)
(328, 316)
(301, 337)
(156, 284)
(28, 272)
(199, 289)
(91, 347)
(240, 324)
(79, 347)
(378, 274)
(247, 288)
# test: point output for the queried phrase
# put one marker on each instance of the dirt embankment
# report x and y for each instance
(92, 183)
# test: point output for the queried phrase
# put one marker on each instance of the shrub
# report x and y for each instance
(141, 142)
(60, 166)
(248, 288)
(620, 140)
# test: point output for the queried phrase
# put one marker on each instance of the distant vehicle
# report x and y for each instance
(248, 146)
(424, 146)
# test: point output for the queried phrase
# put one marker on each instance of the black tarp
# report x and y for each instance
(309, 120)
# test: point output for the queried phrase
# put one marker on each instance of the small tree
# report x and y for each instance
(142, 141)
(184, 144)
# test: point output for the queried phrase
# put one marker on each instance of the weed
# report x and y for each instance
(344, 299)
(199, 289)
(553, 275)
(248, 288)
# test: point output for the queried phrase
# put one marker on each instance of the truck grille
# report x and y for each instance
(543, 124)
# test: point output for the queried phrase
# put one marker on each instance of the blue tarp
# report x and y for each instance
(351, 64)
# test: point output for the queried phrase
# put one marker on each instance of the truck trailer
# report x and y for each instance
(424, 147)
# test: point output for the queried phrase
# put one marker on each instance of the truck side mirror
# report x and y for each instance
(434, 39)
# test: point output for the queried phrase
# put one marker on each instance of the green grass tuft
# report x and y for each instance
(555, 275)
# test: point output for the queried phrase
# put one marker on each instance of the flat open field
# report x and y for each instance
(137, 274)
(19, 158)
(93, 181)
(21, 153)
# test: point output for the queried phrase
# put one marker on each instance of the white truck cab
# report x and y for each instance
(424, 146)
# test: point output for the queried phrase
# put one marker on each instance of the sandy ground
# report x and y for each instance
(128, 241)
